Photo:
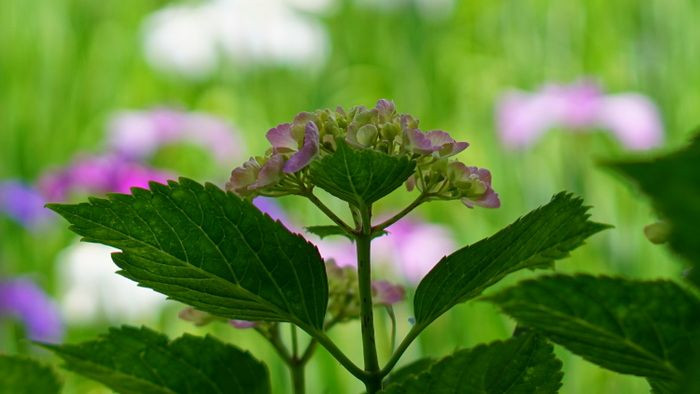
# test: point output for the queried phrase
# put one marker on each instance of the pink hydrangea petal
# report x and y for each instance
(281, 138)
(385, 109)
(633, 119)
(270, 173)
(244, 176)
(419, 142)
(242, 324)
(386, 293)
(307, 152)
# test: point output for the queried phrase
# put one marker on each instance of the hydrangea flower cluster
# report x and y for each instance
(311, 135)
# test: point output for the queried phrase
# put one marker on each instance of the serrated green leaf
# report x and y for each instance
(522, 364)
(22, 375)
(408, 371)
(360, 176)
(209, 249)
(533, 241)
(632, 327)
(673, 183)
(142, 361)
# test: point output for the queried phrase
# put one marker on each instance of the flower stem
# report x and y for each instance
(373, 381)
(405, 343)
(298, 381)
(331, 215)
(418, 201)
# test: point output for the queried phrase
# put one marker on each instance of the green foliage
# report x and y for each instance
(209, 249)
(631, 327)
(139, 360)
(533, 241)
(522, 364)
(673, 183)
(360, 176)
(328, 231)
(22, 375)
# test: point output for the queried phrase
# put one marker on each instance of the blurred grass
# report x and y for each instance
(65, 65)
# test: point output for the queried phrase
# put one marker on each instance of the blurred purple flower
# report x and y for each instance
(24, 300)
(386, 293)
(98, 175)
(242, 323)
(138, 134)
(23, 203)
(523, 117)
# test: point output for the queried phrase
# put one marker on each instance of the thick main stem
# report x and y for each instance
(298, 382)
(373, 380)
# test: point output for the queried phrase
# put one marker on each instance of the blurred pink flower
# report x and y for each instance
(523, 117)
(413, 247)
(386, 293)
(98, 175)
(242, 323)
(138, 134)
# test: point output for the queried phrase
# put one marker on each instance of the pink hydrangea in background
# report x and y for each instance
(98, 175)
(633, 119)
(138, 134)
(411, 249)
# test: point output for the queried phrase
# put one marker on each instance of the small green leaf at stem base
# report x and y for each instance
(141, 361)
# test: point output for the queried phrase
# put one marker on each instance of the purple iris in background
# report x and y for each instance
(632, 118)
(23, 203)
(23, 300)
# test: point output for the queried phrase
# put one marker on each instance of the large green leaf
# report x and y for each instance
(632, 327)
(534, 241)
(22, 375)
(673, 183)
(360, 176)
(522, 364)
(142, 361)
(209, 249)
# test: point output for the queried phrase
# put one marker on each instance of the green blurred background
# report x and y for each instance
(67, 65)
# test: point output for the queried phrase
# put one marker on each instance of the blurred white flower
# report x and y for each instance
(192, 39)
(92, 290)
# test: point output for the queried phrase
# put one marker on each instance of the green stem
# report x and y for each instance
(418, 201)
(295, 341)
(405, 343)
(331, 215)
(373, 381)
(298, 381)
(338, 354)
